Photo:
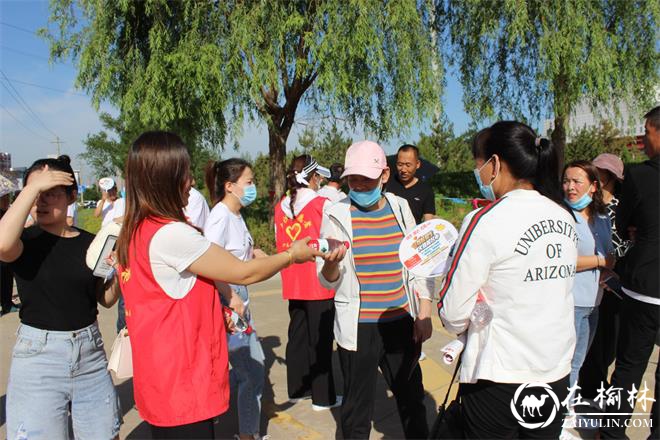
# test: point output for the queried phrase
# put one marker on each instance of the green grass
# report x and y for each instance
(452, 212)
(87, 221)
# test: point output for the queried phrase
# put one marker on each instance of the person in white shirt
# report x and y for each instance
(72, 214)
(231, 185)
(332, 191)
(197, 210)
(111, 207)
(517, 255)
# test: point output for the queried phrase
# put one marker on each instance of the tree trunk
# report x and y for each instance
(559, 137)
(562, 110)
(277, 153)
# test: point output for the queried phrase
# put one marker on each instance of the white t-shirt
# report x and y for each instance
(112, 210)
(229, 231)
(197, 210)
(72, 211)
(173, 248)
(331, 193)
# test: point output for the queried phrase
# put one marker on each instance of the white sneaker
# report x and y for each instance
(298, 399)
(338, 401)
(422, 356)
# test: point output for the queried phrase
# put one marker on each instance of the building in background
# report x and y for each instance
(630, 122)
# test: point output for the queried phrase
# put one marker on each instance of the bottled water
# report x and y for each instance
(481, 314)
(327, 244)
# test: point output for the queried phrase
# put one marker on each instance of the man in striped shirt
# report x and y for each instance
(382, 311)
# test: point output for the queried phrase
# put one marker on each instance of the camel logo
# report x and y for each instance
(535, 412)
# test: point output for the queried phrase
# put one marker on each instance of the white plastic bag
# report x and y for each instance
(121, 357)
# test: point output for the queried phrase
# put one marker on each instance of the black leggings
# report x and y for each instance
(197, 430)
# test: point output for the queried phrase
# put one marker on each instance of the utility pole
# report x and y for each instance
(58, 142)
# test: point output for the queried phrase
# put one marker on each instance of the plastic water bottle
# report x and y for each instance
(327, 244)
(240, 324)
(481, 314)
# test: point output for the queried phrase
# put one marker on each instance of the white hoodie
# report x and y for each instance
(521, 252)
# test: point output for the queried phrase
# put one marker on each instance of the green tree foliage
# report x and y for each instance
(327, 147)
(449, 152)
(590, 142)
(207, 66)
(92, 193)
(106, 151)
(521, 57)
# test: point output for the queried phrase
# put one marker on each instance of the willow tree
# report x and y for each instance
(218, 64)
(528, 57)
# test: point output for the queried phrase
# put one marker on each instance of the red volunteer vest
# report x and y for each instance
(300, 281)
(180, 369)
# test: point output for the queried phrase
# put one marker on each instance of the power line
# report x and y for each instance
(22, 29)
(15, 81)
(23, 125)
(18, 98)
(20, 52)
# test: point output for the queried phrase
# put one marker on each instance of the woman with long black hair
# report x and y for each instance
(518, 256)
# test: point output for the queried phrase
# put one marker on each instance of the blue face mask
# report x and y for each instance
(486, 190)
(580, 203)
(249, 195)
(366, 199)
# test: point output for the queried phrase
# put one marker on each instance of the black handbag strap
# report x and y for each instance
(453, 377)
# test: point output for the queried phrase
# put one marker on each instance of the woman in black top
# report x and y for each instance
(58, 363)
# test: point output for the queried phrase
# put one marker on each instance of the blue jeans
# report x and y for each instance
(51, 370)
(586, 320)
(248, 374)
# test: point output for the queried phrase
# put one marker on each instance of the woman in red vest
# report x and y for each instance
(311, 307)
(173, 312)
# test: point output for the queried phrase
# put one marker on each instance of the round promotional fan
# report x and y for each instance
(425, 251)
(106, 183)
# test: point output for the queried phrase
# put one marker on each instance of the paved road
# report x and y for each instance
(279, 419)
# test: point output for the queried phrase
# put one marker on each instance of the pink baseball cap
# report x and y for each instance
(365, 158)
(611, 163)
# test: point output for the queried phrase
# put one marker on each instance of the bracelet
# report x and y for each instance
(288, 252)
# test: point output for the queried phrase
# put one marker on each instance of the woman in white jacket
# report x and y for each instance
(519, 256)
(382, 313)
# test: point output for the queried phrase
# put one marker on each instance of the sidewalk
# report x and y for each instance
(280, 419)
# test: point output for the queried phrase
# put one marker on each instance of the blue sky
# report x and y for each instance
(56, 108)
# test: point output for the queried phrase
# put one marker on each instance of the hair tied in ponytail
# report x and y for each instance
(540, 144)
(65, 159)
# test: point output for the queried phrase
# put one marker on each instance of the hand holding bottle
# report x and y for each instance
(302, 253)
